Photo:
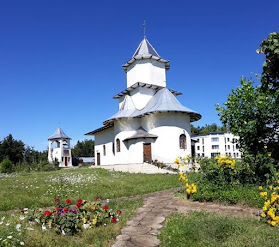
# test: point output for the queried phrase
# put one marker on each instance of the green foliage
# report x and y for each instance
(208, 128)
(201, 229)
(6, 166)
(11, 149)
(250, 114)
(270, 75)
(83, 149)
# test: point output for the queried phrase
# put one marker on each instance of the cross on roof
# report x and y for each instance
(144, 28)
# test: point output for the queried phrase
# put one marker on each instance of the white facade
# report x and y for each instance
(215, 144)
(151, 124)
(59, 148)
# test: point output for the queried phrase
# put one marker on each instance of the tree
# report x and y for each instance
(208, 128)
(11, 149)
(83, 149)
(270, 74)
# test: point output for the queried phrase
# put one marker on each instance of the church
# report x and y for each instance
(151, 124)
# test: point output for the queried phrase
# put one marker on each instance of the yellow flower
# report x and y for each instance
(176, 161)
(264, 208)
(260, 187)
(273, 223)
(263, 215)
(265, 147)
(269, 154)
(270, 187)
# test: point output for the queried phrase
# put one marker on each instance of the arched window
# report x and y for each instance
(182, 141)
(117, 145)
(104, 150)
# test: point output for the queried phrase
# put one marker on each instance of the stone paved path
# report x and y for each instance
(143, 228)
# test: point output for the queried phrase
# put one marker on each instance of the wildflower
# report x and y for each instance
(106, 207)
(21, 243)
(10, 237)
(273, 223)
(269, 154)
(68, 201)
(263, 215)
(176, 161)
(260, 188)
(78, 205)
(118, 212)
(57, 200)
(114, 220)
(65, 209)
(79, 201)
(47, 213)
(265, 147)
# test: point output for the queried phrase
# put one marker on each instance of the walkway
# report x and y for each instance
(143, 228)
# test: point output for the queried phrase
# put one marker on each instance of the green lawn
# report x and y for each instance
(40, 189)
(200, 229)
(96, 237)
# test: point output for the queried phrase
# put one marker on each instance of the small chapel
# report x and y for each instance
(151, 124)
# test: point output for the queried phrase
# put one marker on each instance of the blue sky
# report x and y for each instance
(60, 61)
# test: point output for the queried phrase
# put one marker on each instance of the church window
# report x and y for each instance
(104, 149)
(182, 141)
(117, 145)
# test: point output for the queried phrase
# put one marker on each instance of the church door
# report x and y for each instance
(98, 159)
(147, 152)
(66, 161)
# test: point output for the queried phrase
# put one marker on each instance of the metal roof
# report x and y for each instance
(106, 126)
(146, 51)
(141, 133)
(141, 84)
(162, 101)
(59, 134)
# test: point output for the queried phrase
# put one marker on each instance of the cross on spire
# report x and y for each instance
(144, 28)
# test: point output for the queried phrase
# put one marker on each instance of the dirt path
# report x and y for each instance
(143, 228)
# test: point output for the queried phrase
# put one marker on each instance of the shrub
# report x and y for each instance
(6, 166)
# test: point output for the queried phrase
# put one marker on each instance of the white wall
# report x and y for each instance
(58, 153)
(167, 126)
(146, 71)
(141, 96)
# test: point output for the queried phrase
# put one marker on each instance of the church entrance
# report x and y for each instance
(98, 159)
(147, 152)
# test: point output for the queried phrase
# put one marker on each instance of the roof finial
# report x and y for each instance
(144, 28)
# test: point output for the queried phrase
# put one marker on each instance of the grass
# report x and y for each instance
(199, 229)
(40, 189)
(96, 237)
(226, 194)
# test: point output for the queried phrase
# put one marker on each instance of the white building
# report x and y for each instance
(59, 148)
(151, 123)
(215, 144)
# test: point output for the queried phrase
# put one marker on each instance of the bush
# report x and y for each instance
(6, 166)
(225, 170)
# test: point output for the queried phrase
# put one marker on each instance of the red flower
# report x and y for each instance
(22, 211)
(53, 212)
(118, 212)
(106, 207)
(78, 205)
(68, 201)
(57, 200)
(47, 213)
(114, 220)
(65, 209)
(57, 208)
(97, 198)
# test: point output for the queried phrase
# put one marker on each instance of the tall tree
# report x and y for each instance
(11, 149)
(83, 149)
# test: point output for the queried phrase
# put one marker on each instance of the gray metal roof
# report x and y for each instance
(162, 101)
(141, 84)
(146, 51)
(141, 133)
(59, 134)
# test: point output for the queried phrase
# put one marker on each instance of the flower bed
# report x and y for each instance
(68, 219)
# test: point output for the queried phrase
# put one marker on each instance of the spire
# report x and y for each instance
(58, 134)
(145, 48)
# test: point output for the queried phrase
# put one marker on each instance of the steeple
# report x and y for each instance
(146, 66)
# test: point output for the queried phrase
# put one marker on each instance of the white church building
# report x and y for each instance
(151, 124)
(59, 148)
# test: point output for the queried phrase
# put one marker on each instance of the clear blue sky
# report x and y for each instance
(60, 61)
